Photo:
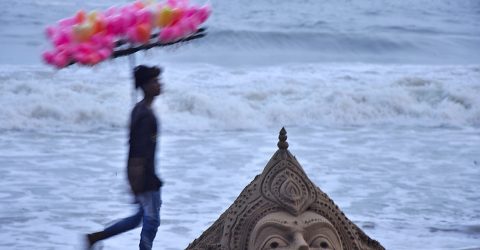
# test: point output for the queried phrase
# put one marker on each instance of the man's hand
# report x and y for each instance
(136, 174)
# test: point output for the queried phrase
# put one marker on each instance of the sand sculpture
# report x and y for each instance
(282, 209)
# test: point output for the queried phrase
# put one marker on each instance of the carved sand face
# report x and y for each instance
(281, 230)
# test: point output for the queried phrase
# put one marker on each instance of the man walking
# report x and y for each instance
(145, 184)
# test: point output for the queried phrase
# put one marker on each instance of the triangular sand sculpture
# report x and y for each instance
(282, 209)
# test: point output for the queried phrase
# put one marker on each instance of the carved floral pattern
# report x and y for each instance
(282, 186)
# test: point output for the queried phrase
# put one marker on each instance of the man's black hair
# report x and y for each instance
(144, 73)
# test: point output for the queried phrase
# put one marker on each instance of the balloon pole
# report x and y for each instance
(131, 60)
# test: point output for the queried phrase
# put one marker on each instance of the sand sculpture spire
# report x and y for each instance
(282, 139)
(282, 208)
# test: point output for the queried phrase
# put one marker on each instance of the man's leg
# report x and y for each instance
(117, 228)
(124, 225)
(151, 202)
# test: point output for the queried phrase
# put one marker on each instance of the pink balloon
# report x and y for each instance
(50, 31)
(62, 37)
(120, 25)
(110, 25)
(192, 24)
(101, 41)
(176, 33)
(60, 60)
(86, 48)
(166, 35)
(107, 42)
(96, 40)
(131, 19)
(203, 13)
(179, 16)
(137, 5)
(132, 34)
(196, 21)
(124, 25)
(104, 54)
(94, 58)
(111, 11)
(82, 58)
(128, 15)
(67, 22)
(190, 12)
(124, 10)
(48, 57)
(116, 25)
(65, 48)
(182, 30)
(178, 3)
(186, 27)
(172, 3)
(143, 16)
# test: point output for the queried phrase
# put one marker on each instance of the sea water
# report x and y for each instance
(380, 99)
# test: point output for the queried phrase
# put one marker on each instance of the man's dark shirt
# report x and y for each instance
(143, 141)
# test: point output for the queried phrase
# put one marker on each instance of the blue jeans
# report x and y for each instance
(149, 212)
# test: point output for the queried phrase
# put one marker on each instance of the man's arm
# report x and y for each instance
(136, 174)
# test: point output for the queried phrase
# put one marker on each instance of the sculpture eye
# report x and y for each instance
(274, 243)
(321, 242)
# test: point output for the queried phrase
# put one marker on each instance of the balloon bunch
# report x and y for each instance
(89, 38)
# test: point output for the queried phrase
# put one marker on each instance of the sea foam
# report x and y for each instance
(204, 97)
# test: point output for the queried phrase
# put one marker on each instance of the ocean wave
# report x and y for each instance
(318, 46)
(319, 41)
(204, 97)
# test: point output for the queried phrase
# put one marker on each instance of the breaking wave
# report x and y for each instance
(204, 97)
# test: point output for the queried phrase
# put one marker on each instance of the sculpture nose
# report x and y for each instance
(299, 242)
